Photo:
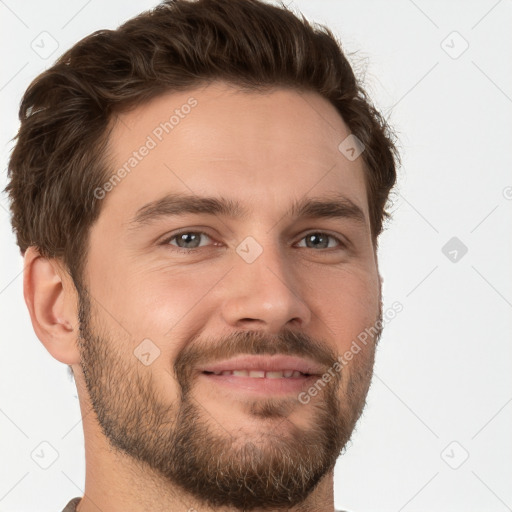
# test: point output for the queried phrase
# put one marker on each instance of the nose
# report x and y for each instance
(264, 294)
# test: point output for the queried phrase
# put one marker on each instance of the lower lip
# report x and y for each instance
(261, 385)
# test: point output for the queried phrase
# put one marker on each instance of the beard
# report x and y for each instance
(181, 443)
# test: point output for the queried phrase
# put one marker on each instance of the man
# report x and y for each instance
(198, 197)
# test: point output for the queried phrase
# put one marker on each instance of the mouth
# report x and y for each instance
(261, 366)
(263, 375)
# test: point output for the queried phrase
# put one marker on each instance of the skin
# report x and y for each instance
(265, 150)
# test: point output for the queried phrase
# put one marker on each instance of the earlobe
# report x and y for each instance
(50, 298)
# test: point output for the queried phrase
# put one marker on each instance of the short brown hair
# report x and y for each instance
(59, 157)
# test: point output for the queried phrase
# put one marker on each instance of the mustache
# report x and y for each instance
(200, 351)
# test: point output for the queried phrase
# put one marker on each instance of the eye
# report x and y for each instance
(186, 241)
(319, 239)
(189, 241)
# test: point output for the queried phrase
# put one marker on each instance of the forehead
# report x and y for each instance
(266, 149)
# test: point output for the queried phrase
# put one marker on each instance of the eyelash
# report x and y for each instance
(342, 245)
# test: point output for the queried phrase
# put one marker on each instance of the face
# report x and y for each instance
(234, 250)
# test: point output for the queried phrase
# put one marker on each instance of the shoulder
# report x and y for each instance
(71, 506)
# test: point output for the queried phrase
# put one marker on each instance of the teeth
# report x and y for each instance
(260, 374)
(274, 375)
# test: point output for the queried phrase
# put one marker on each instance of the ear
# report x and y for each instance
(51, 299)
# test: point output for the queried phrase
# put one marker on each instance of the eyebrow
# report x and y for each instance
(331, 207)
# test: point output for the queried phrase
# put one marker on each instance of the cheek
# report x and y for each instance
(170, 304)
(347, 303)
(163, 304)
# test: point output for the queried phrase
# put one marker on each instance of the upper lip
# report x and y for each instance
(266, 363)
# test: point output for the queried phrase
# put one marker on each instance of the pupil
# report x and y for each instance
(316, 237)
(185, 237)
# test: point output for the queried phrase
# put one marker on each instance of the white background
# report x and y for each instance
(442, 389)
